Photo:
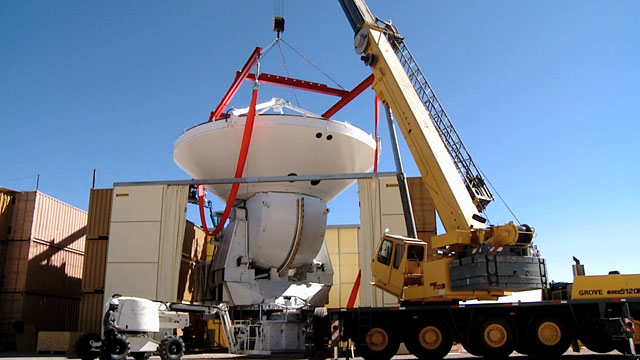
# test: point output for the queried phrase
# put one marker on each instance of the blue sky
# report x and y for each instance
(545, 94)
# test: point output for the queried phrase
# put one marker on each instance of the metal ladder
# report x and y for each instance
(468, 170)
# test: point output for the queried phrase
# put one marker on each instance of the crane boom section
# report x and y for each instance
(393, 86)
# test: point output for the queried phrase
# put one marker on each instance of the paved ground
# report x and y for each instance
(584, 354)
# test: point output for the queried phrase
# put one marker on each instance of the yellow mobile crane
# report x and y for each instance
(471, 260)
(456, 261)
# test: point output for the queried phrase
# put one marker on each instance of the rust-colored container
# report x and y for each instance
(90, 317)
(95, 262)
(40, 217)
(15, 268)
(193, 252)
(42, 268)
(54, 271)
(7, 200)
(42, 312)
(424, 212)
(99, 215)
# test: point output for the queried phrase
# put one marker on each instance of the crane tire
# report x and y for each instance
(115, 348)
(598, 343)
(549, 337)
(171, 348)
(379, 343)
(494, 338)
(83, 346)
(141, 355)
(429, 340)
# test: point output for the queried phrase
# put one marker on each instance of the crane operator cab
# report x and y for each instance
(485, 272)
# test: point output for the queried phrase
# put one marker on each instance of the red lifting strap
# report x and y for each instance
(242, 159)
(375, 159)
(240, 77)
(354, 292)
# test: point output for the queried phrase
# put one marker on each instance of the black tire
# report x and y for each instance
(548, 337)
(598, 343)
(379, 343)
(470, 348)
(321, 333)
(494, 338)
(84, 348)
(430, 341)
(141, 355)
(171, 348)
(115, 348)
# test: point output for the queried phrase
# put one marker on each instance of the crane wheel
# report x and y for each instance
(549, 337)
(141, 355)
(598, 342)
(116, 348)
(171, 348)
(88, 346)
(379, 343)
(494, 338)
(431, 340)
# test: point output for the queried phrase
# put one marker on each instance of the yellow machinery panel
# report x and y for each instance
(342, 243)
(613, 286)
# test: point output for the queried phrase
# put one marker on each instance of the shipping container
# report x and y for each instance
(15, 268)
(41, 217)
(99, 215)
(193, 252)
(42, 268)
(424, 212)
(7, 200)
(22, 218)
(90, 317)
(95, 263)
(342, 243)
(53, 270)
(20, 311)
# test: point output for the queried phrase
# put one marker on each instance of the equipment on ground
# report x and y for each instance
(145, 327)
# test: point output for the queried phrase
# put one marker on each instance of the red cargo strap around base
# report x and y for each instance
(242, 159)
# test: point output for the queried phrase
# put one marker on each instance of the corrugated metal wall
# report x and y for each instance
(99, 214)
(7, 199)
(22, 219)
(53, 270)
(342, 243)
(95, 262)
(193, 252)
(42, 266)
(90, 317)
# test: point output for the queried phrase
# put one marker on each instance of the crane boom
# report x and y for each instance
(359, 14)
(470, 260)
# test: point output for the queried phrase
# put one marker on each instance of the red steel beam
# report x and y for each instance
(297, 84)
(350, 96)
(240, 77)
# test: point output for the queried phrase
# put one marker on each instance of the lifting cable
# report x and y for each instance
(242, 159)
(286, 68)
(312, 64)
(501, 199)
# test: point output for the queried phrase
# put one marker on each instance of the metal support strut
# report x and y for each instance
(402, 180)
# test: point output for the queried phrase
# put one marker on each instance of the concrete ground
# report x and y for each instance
(459, 354)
